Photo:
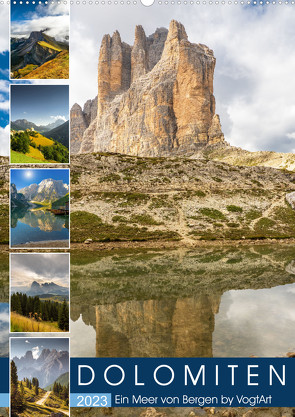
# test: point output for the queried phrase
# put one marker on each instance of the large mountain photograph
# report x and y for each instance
(182, 186)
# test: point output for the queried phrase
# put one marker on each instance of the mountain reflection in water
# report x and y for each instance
(34, 225)
(200, 303)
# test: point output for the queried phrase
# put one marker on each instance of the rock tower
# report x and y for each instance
(154, 98)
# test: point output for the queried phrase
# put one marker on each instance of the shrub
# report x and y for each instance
(234, 209)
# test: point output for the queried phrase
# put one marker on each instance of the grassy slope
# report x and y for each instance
(34, 155)
(121, 198)
(50, 46)
(42, 140)
(57, 68)
(61, 201)
(20, 158)
(20, 323)
(34, 410)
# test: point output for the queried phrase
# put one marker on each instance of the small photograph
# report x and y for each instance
(39, 292)
(39, 40)
(39, 208)
(39, 377)
(39, 127)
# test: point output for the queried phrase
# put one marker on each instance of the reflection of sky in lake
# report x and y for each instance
(85, 333)
(4, 327)
(256, 322)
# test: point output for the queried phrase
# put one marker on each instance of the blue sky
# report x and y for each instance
(40, 104)
(19, 346)
(4, 91)
(24, 177)
(26, 18)
(24, 11)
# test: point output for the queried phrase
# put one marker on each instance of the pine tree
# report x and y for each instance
(63, 317)
(16, 398)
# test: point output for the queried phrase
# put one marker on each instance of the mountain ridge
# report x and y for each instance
(47, 367)
(27, 54)
(23, 124)
(48, 190)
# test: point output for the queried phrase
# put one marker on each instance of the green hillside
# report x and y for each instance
(60, 202)
(32, 147)
(62, 380)
(54, 69)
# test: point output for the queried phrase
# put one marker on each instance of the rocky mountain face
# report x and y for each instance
(80, 121)
(46, 288)
(37, 49)
(17, 199)
(155, 98)
(47, 368)
(48, 190)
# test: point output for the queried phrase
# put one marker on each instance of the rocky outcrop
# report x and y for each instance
(17, 199)
(154, 98)
(290, 198)
(80, 120)
(78, 126)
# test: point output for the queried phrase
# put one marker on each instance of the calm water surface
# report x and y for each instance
(36, 226)
(201, 303)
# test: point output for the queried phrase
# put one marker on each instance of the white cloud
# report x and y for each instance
(4, 86)
(4, 141)
(58, 26)
(52, 9)
(58, 117)
(291, 135)
(4, 105)
(4, 28)
(36, 352)
(4, 317)
(254, 75)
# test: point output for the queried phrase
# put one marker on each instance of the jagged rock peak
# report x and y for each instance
(140, 37)
(154, 98)
(176, 31)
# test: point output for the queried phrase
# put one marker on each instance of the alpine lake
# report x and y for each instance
(37, 225)
(206, 302)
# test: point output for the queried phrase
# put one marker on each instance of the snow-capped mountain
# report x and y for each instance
(47, 191)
